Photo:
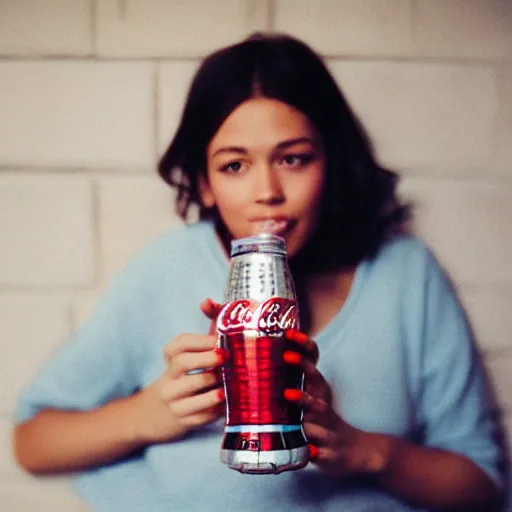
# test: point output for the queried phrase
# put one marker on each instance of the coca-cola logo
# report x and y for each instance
(271, 316)
(235, 315)
(277, 315)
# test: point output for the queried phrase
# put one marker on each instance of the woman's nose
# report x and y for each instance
(268, 187)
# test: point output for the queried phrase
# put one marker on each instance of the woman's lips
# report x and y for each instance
(272, 226)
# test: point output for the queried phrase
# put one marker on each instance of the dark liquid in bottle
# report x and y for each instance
(255, 379)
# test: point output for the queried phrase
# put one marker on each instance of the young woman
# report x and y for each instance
(395, 408)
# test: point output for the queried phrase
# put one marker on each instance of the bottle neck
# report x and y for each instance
(259, 277)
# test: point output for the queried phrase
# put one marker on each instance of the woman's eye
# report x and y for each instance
(232, 167)
(295, 161)
(291, 160)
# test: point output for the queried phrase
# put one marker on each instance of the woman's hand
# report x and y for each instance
(337, 447)
(189, 394)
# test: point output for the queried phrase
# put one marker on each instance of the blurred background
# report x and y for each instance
(91, 92)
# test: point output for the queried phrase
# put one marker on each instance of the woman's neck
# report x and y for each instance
(321, 297)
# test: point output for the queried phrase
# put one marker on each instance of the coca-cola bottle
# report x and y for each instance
(263, 431)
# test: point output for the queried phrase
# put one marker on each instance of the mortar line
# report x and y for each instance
(413, 17)
(96, 234)
(155, 112)
(271, 12)
(38, 170)
(405, 59)
(93, 12)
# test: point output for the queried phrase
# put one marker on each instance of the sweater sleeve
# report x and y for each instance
(93, 367)
(119, 349)
(454, 407)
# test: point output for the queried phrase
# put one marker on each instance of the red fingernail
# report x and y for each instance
(294, 395)
(292, 357)
(313, 451)
(222, 354)
(221, 395)
(296, 336)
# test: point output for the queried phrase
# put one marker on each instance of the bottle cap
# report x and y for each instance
(265, 242)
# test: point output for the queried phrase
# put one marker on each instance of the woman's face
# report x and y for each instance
(266, 172)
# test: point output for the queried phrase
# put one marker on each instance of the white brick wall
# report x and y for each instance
(499, 366)
(502, 132)
(348, 27)
(33, 326)
(173, 81)
(124, 230)
(453, 29)
(424, 115)
(467, 29)
(173, 28)
(47, 230)
(76, 113)
(468, 223)
(49, 27)
(91, 92)
(489, 309)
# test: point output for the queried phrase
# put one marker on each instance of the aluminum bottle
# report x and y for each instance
(263, 431)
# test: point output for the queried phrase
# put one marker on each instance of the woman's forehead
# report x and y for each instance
(263, 122)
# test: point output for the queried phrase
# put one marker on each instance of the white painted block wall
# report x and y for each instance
(91, 91)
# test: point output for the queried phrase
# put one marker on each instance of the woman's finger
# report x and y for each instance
(189, 343)
(305, 343)
(197, 403)
(203, 418)
(328, 459)
(313, 452)
(315, 410)
(189, 385)
(296, 358)
(318, 434)
(315, 382)
(196, 362)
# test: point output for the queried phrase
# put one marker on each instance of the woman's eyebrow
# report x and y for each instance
(292, 142)
(282, 145)
(230, 149)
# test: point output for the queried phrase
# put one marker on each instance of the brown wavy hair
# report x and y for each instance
(360, 208)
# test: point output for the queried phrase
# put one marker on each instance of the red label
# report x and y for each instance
(272, 316)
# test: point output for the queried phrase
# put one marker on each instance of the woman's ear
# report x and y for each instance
(205, 192)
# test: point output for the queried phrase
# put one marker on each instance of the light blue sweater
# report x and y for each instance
(398, 356)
